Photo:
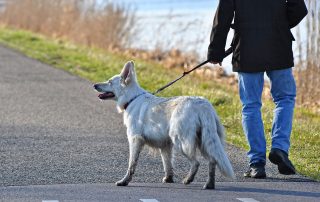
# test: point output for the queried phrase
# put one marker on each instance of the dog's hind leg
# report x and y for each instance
(136, 144)
(166, 155)
(191, 155)
(210, 184)
(193, 171)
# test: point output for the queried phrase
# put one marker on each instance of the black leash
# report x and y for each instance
(228, 52)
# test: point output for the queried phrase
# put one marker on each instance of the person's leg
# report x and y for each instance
(250, 90)
(283, 91)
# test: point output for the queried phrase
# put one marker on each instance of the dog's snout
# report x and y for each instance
(97, 87)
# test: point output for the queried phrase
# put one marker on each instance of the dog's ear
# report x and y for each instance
(127, 74)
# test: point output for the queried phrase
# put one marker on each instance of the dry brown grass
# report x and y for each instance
(112, 27)
(109, 27)
(308, 66)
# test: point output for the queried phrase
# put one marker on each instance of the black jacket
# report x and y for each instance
(262, 39)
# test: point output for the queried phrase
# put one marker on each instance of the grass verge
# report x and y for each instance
(98, 65)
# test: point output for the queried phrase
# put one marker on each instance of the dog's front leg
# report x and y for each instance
(166, 155)
(135, 146)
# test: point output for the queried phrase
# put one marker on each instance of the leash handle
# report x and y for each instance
(227, 52)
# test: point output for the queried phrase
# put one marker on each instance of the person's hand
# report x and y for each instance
(213, 62)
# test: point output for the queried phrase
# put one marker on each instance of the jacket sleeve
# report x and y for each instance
(221, 26)
(296, 11)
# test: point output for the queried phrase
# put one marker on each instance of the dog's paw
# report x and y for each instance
(122, 183)
(168, 179)
(187, 180)
(210, 185)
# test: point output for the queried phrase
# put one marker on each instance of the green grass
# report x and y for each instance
(98, 65)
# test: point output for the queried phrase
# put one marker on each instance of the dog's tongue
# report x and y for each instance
(105, 95)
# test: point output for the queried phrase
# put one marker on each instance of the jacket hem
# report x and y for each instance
(263, 69)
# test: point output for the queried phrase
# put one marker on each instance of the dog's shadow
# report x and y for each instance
(231, 188)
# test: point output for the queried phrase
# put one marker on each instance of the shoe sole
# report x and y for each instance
(282, 166)
(256, 177)
(259, 177)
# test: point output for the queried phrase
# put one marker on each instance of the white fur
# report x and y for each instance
(184, 123)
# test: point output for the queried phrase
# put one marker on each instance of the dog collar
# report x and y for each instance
(127, 104)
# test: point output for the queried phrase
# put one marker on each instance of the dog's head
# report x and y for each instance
(118, 85)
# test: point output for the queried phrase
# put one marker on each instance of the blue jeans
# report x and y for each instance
(283, 91)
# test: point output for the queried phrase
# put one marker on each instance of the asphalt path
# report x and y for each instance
(54, 132)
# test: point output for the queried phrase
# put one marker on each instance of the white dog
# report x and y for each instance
(183, 123)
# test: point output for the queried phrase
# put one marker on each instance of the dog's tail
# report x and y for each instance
(212, 142)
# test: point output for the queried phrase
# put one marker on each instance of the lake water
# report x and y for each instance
(180, 24)
(166, 24)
